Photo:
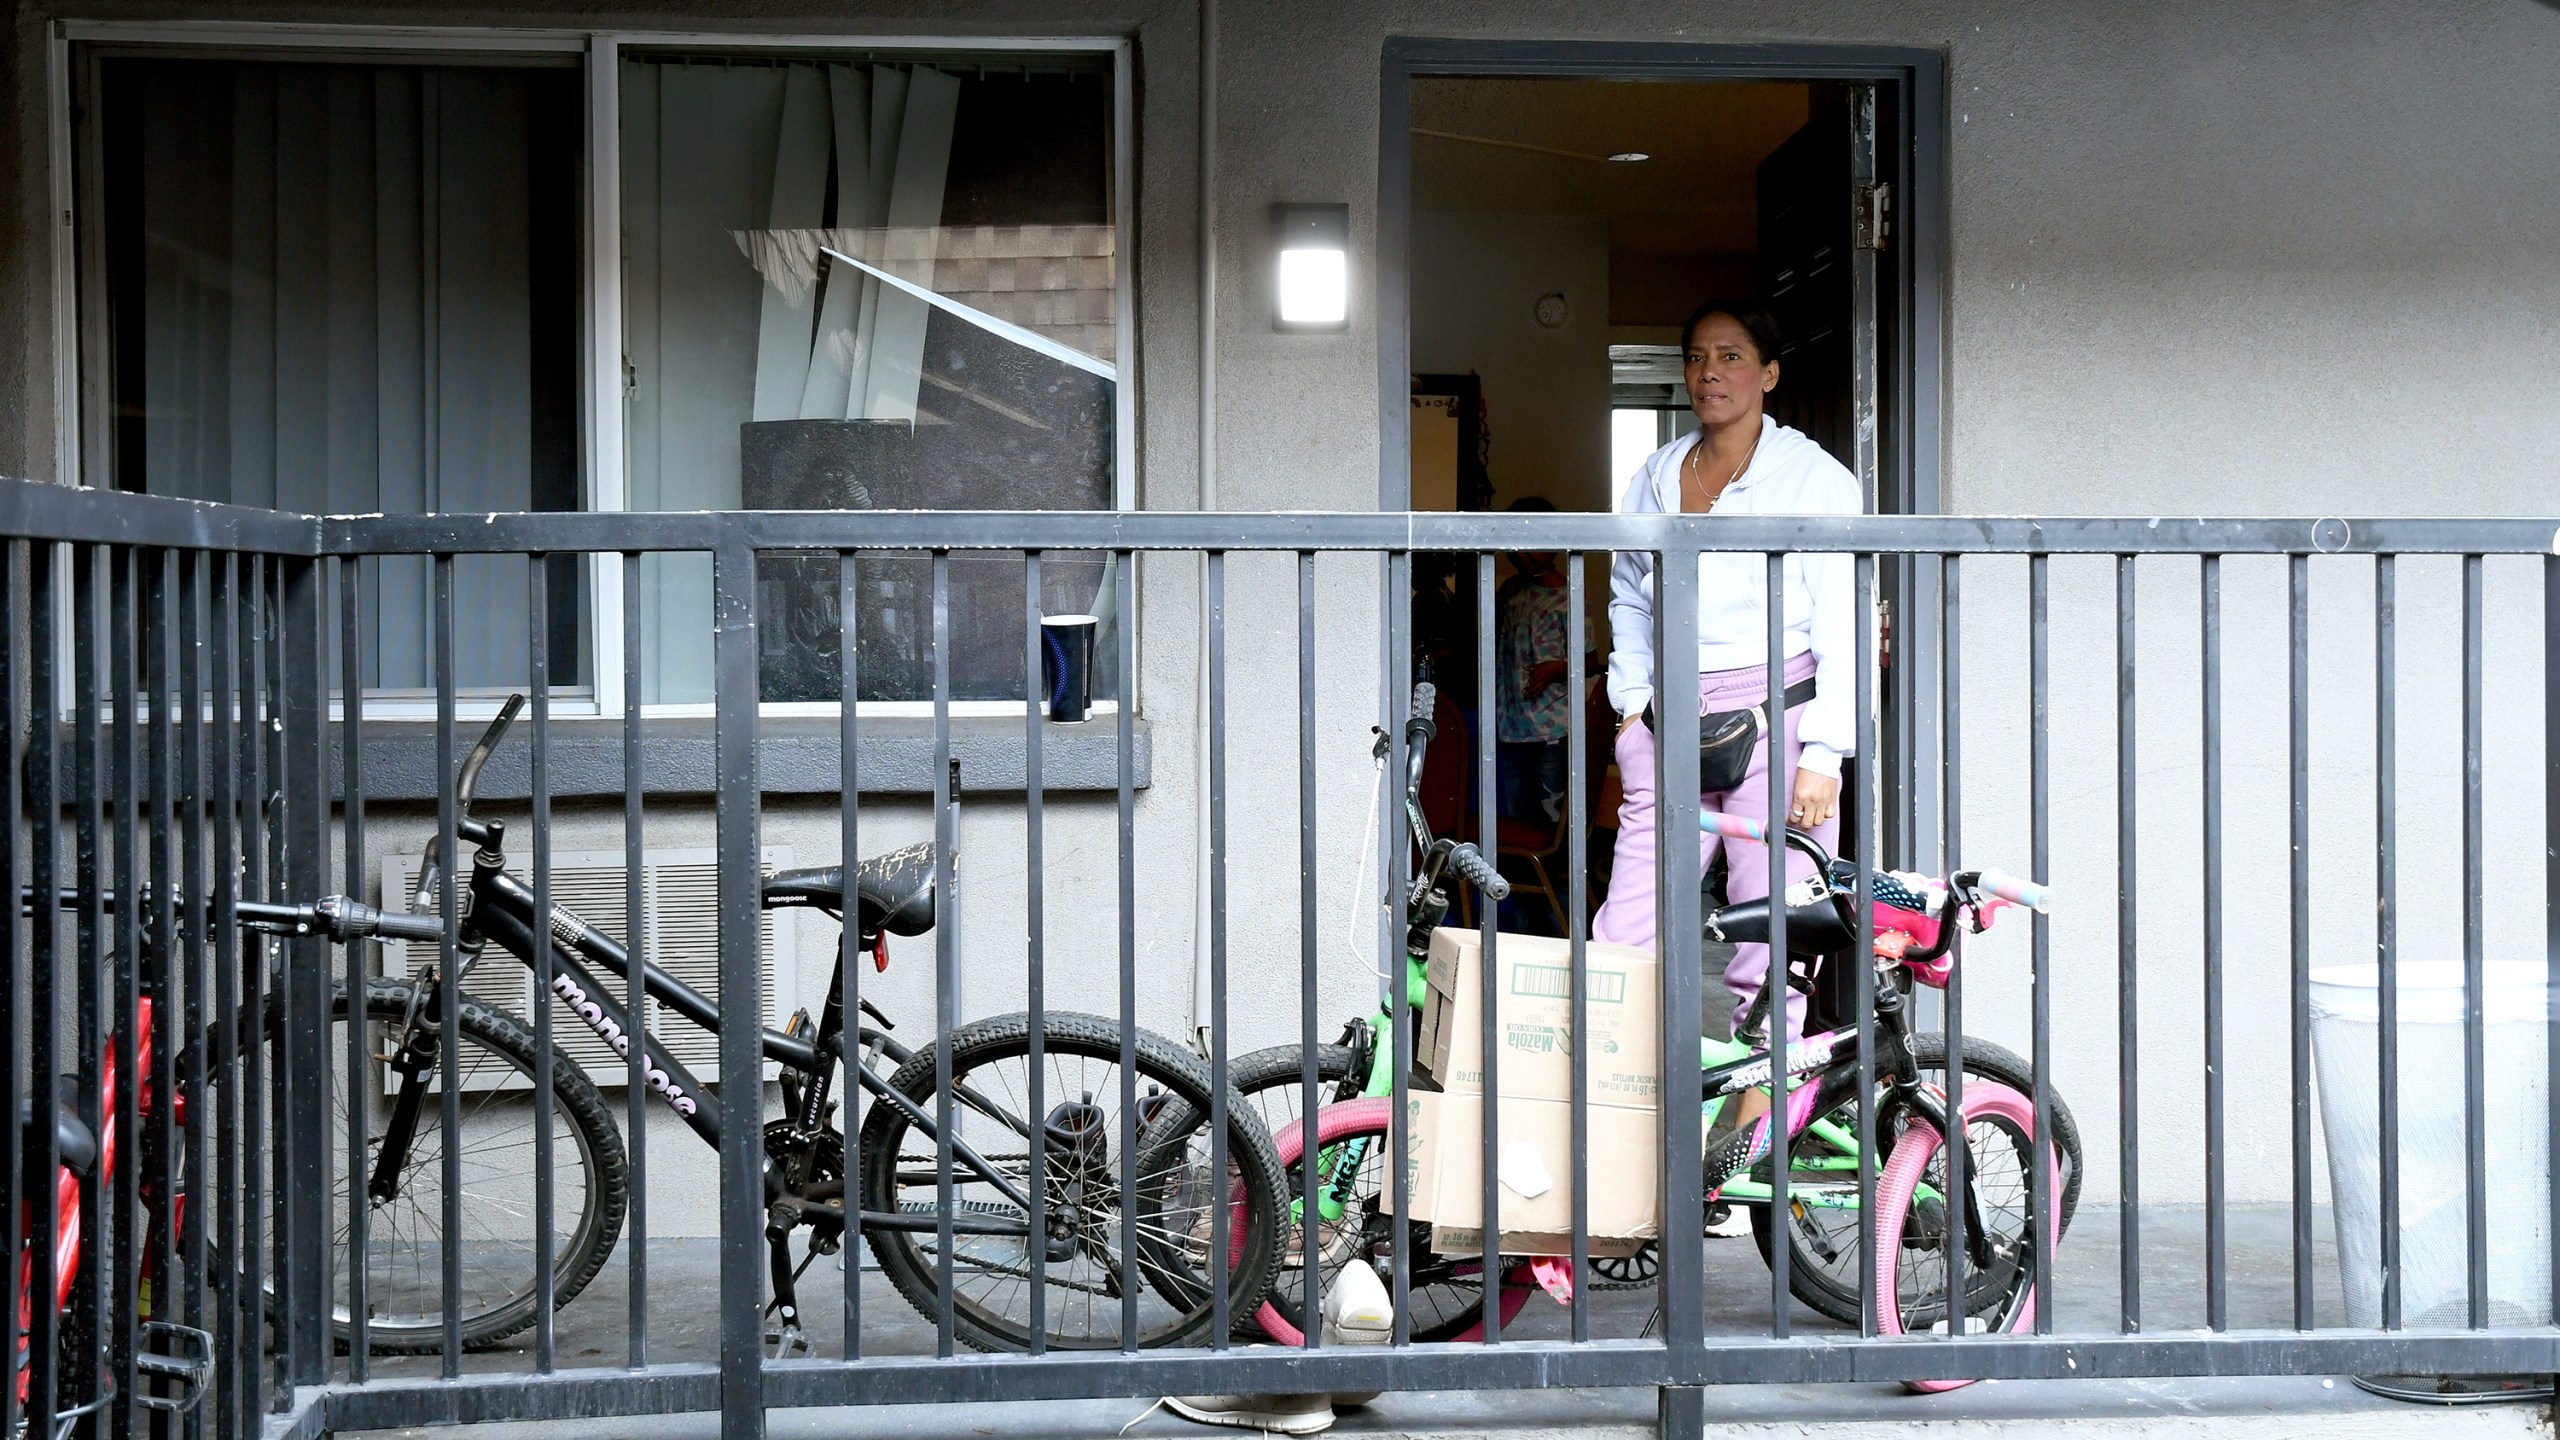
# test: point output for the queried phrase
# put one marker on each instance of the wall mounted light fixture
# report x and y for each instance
(1314, 275)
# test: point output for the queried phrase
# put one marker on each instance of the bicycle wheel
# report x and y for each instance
(1446, 1291)
(1274, 1087)
(405, 1242)
(1087, 1278)
(1824, 1260)
(1911, 1275)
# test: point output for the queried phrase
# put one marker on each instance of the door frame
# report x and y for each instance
(1912, 379)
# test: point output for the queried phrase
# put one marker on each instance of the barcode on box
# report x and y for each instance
(1555, 982)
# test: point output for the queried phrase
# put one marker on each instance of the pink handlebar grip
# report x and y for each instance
(2016, 891)
(1732, 827)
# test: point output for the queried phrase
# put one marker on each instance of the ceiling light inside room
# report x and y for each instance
(1629, 157)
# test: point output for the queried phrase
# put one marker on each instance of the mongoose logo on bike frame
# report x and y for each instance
(611, 1034)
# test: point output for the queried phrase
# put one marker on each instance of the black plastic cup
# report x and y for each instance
(1066, 665)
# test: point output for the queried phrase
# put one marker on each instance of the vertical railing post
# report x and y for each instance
(302, 1057)
(733, 661)
(1675, 704)
(2298, 671)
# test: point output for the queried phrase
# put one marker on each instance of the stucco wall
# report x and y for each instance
(2202, 258)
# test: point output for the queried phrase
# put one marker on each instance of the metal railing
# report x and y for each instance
(167, 712)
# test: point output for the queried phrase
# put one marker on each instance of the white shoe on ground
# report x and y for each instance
(1276, 1414)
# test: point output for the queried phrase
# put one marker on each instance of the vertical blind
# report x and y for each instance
(350, 288)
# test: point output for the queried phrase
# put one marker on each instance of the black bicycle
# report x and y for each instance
(1051, 1176)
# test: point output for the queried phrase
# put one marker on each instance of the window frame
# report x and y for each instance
(601, 421)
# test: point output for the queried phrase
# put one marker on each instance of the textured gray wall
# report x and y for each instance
(2219, 258)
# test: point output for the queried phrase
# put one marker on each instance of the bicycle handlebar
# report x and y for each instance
(1471, 866)
(1733, 827)
(2016, 891)
(1419, 730)
(340, 918)
(469, 778)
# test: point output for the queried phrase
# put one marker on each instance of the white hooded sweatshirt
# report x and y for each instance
(1788, 475)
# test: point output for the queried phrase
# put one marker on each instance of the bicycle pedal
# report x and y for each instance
(786, 1343)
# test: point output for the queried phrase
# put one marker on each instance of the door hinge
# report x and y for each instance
(1869, 216)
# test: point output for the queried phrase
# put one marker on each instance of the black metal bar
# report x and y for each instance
(1219, 1259)
(2298, 669)
(40, 1158)
(2550, 881)
(195, 693)
(1375, 532)
(236, 1324)
(119, 1247)
(351, 672)
(40, 510)
(1524, 1364)
(13, 1049)
(733, 659)
(1576, 823)
(2217, 1192)
(300, 737)
(1681, 1297)
(1489, 988)
(1396, 868)
(1036, 920)
(1868, 844)
(849, 944)
(450, 880)
(1782, 1022)
(2128, 978)
(635, 1113)
(2475, 1022)
(2040, 1197)
(1124, 613)
(1310, 1219)
(2386, 739)
(537, 568)
(91, 1303)
(257, 848)
(946, 955)
(1951, 736)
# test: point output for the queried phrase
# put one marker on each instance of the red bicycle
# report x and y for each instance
(172, 1361)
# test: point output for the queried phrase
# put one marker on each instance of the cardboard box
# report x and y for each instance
(1444, 1174)
(1534, 1019)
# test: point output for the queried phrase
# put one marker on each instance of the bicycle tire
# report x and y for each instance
(1271, 1081)
(1164, 1070)
(1996, 1113)
(581, 1249)
(1829, 1282)
(1462, 1320)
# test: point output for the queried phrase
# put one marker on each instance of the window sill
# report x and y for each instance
(794, 756)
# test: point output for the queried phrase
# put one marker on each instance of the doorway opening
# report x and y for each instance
(1556, 212)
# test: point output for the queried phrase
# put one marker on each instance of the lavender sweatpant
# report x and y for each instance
(1627, 917)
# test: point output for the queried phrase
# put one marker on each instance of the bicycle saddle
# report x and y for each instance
(1812, 929)
(79, 1149)
(895, 890)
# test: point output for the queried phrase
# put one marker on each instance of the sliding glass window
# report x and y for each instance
(344, 287)
(876, 281)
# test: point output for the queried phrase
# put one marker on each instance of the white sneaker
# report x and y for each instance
(1276, 1414)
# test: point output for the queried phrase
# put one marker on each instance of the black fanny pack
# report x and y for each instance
(1726, 739)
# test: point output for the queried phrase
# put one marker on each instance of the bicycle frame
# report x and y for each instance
(502, 912)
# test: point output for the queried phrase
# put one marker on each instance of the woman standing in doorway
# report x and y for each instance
(1738, 462)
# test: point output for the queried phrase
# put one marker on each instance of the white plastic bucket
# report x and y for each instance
(2434, 1256)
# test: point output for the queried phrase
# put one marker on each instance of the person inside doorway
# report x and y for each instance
(1533, 708)
(1738, 462)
